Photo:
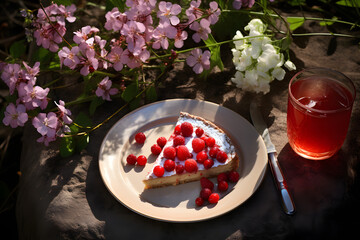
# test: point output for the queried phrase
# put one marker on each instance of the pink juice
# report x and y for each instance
(318, 116)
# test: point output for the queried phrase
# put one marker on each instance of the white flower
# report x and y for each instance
(255, 27)
(278, 73)
(238, 79)
(290, 65)
(240, 44)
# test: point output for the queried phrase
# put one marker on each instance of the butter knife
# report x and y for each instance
(261, 127)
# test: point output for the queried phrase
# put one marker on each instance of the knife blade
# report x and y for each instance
(261, 127)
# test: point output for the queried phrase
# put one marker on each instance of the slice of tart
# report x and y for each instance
(197, 148)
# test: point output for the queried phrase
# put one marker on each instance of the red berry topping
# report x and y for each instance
(222, 177)
(191, 165)
(210, 141)
(161, 141)
(205, 193)
(169, 152)
(221, 156)
(140, 137)
(159, 171)
(186, 129)
(206, 183)
(182, 152)
(131, 159)
(198, 144)
(214, 198)
(179, 169)
(155, 149)
(234, 176)
(199, 132)
(213, 152)
(177, 130)
(169, 165)
(208, 163)
(223, 186)
(199, 201)
(201, 157)
(179, 140)
(141, 160)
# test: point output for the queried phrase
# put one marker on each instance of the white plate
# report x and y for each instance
(177, 203)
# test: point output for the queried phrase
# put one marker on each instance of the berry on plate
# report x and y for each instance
(208, 163)
(186, 129)
(182, 152)
(141, 160)
(199, 132)
(159, 171)
(198, 144)
(234, 176)
(169, 165)
(191, 165)
(199, 201)
(131, 159)
(222, 177)
(205, 193)
(155, 149)
(201, 157)
(179, 168)
(170, 152)
(178, 140)
(161, 141)
(206, 183)
(140, 137)
(214, 198)
(223, 186)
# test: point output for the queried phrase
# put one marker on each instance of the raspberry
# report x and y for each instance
(234, 176)
(213, 151)
(131, 159)
(199, 132)
(140, 137)
(178, 140)
(161, 141)
(199, 201)
(179, 169)
(198, 144)
(208, 163)
(206, 183)
(155, 149)
(201, 157)
(222, 177)
(205, 193)
(223, 186)
(141, 160)
(159, 171)
(182, 152)
(191, 165)
(169, 165)
(186, 129)
(214, 198)
(169, 152)
(177, 130)
(210, 141)
(221, 156)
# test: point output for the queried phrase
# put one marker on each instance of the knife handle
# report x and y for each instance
(287, 202)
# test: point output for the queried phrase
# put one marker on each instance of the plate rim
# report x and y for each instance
(260, 179)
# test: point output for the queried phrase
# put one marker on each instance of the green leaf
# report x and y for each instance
(135, 103)
(43, 56)
(63, 2)
(83, 120)
(295, 22)
(120, 4)
(67, 146)
(82, 142)
(130, 92)
(96, 102)
(349, 3)
(215, 52)
(328, 23)
(18, 48)
(151, 94)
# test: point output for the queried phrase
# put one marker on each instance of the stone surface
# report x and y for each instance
(65, 198)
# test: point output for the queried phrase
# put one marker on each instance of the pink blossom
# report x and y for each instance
(213, 12)
(202, 30)
(63, 112)
(161, 35)
(193, 12)
(49, 137)
(198, 60)
(33, 96)
(10, 76)
(115, 57)
(49, 36)
(115, 20)
(85, 33)
(68, 13)
(90, 63)
(32, 71)
(104, 89)
(133, 31)
(46, 124)
(168, 11)
(237, 4)
(134, 61)
(15, 115)
(180, 37)
(69, 57)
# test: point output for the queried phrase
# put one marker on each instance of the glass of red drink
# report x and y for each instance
(319, 108)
